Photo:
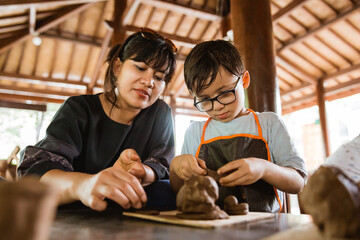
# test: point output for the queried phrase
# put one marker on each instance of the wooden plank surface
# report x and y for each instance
(170, 217)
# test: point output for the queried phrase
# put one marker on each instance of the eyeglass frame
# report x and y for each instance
(157, 35)
(216, 97)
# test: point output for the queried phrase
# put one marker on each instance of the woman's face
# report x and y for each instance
(138, 84)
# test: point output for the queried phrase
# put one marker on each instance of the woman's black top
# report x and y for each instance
(82, 138)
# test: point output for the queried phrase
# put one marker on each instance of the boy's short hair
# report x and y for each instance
(204, 61)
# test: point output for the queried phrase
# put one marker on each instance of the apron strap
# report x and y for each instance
(250, 110)
(203, 131)
(257, 122)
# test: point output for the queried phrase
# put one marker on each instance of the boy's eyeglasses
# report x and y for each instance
(150, 34)
(224, 98)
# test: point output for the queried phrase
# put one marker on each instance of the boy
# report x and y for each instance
(251, 152)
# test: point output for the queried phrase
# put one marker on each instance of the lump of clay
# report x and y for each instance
(333, 200)
(196, 199)
(232, 207)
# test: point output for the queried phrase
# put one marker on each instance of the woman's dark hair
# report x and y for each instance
(204, 61)
(156, 53)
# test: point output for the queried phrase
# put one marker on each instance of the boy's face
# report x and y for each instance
(223, 82)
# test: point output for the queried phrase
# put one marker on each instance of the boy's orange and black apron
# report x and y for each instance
(216, 152)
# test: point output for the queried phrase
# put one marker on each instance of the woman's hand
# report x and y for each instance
(243, 171)
(186, 165)
(130, 161)
(112, 183)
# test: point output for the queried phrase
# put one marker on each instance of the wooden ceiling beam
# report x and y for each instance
(329, 92)
(326, 78)
(12, 28)
(44, 25)
(178, 8)
(23, 98)
(36, 91)
(71, 38)
(43, 80)
(175, 38)
(26, 106)
(11, 4)
(287, 10)
(302, 75)
(298, 101)
(24, 17)
(296, 89)
(343, 87)
(322, 26)
(130, 12)
(103, 51)
(342, 72)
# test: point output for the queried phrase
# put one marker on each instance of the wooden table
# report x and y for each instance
(111, 224)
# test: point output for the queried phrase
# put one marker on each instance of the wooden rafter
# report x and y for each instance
(129, 14)
(72, 38)
(43, 25)
(328, 93)
(322, 26)
(191, 11)
(287, 10)
(11, 4)
(302, 75)
(178, 40)
(118, 35)
(18, 105)
(325, 78)
(355, 83)
(103, 51)
(20, 97)
(40, 91)
(42, 80)
(342, 72)
(97, 29)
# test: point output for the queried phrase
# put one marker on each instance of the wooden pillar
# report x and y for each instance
(253, 37)
(119, 30)
(322, 114)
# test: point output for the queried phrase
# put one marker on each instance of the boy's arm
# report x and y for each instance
(285, 179)
(249, 170)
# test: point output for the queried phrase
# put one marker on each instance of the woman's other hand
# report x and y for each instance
(112, 183)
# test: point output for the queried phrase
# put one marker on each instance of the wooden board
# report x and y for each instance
(171, 218)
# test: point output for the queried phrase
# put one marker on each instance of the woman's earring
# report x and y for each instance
(116, 91)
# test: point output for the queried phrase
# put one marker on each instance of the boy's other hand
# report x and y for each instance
(243, 171)
(186, 165)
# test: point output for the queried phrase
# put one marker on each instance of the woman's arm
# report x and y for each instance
(161, 144)
(92, 190)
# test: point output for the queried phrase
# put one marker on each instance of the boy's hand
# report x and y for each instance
(243, 171)
(130, 161)
(186, 165)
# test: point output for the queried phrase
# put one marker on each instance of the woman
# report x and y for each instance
(127, 124)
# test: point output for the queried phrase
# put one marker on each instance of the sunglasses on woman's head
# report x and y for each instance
(150, 34)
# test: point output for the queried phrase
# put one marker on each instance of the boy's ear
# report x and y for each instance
(246, 79)
(116, 66)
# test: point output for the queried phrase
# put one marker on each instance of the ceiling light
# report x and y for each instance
(36, 40)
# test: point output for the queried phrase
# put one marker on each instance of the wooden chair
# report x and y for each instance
(286, 203)
(8, 168)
